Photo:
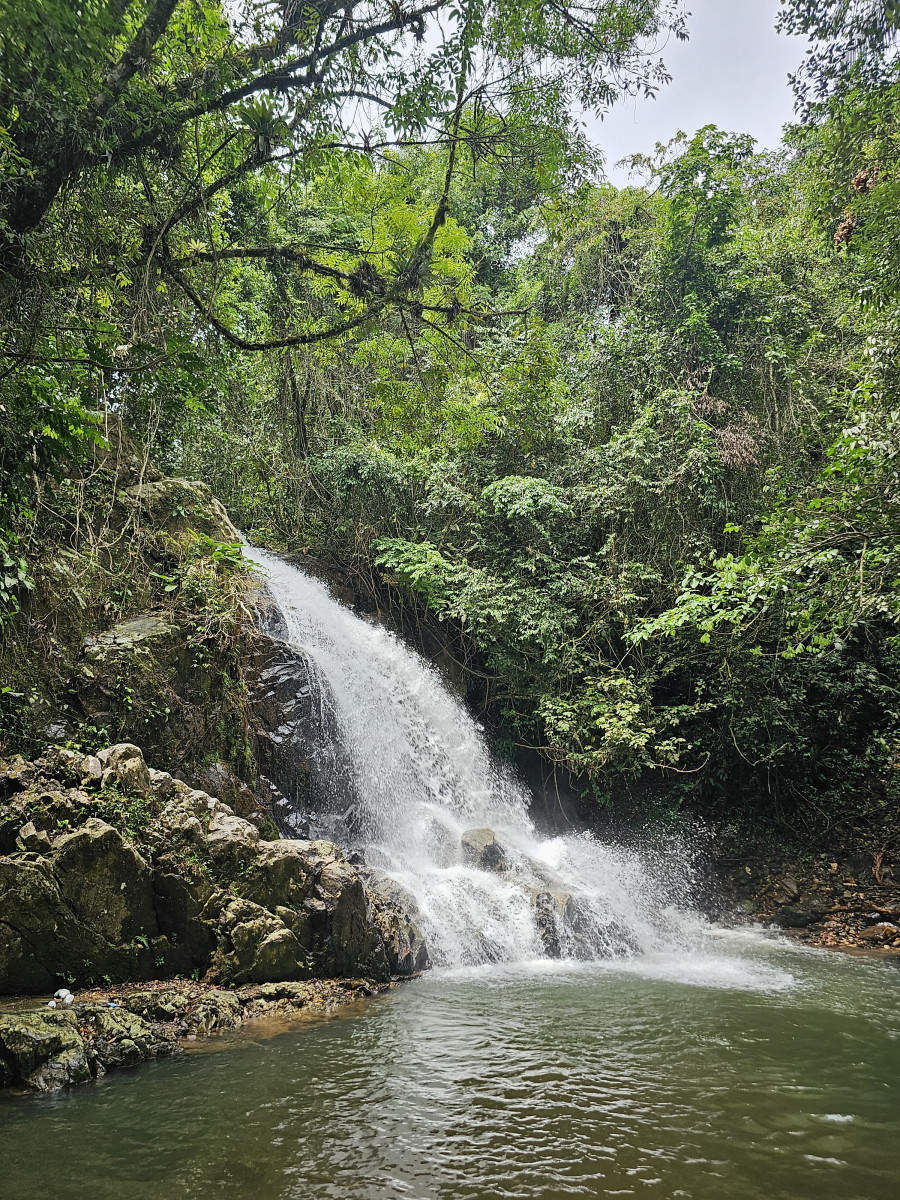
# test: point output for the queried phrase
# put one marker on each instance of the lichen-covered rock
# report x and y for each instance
(44, 1051)
(180, 506)
(283, 873)
(200, 893)
(188, 1013)
(126, 768)
(255, 944)
(231, 840)
(105, 882)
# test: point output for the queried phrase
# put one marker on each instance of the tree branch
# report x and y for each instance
(136, 56)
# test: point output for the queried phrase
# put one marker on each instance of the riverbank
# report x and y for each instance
(43, 1049)
(849, 903)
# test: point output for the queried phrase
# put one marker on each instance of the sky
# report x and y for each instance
(732, 73)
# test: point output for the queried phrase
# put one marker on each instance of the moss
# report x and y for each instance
(135, 630)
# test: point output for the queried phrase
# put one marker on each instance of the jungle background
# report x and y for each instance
(630, 455)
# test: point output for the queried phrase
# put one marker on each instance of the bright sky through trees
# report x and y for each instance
(732, 73)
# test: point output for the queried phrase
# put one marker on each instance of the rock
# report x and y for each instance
(203, 894)
(30, 839)
(186, 1013)
(482, 850)
(284, 874)
(789, 886)
(340, 917)
(549, 913)
(42, 1051)
(231, 840)
(255, 945)
(91, 770)
(279, 957)
(796, 917)
(221, 782)
(298, 743)
(164, 784)
(15, 775)
(48, 1050)
(394, 910)
(128, 634)
(106, 882)
(119, 1038)
(181, 507)
(882, 932)
(125, 767)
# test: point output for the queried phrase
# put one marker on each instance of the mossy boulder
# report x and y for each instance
(179, 507)
(46, 1050)
(132, 874)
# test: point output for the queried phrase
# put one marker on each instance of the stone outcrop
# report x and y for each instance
(43, 1049)
(179, 506)
(111, 870)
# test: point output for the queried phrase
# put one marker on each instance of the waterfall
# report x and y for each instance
(416, 787)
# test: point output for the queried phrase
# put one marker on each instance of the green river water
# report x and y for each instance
(754, 1070)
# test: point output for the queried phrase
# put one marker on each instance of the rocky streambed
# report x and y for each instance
(113, 873)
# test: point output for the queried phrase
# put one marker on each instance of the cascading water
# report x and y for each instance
(414, 775)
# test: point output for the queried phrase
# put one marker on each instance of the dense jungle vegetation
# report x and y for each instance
(633, 451)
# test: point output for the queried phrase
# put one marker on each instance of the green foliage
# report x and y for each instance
(631, 455)
(634, 504)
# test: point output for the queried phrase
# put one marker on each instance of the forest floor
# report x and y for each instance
(852, 904)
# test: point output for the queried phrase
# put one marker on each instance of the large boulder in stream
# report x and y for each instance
(482, 850)
(112, 871)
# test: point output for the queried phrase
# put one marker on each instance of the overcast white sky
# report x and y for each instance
(732, 73)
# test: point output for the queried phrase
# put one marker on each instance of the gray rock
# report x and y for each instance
(795, 916)
(482, 850)
(126, 768)
(231, 840)
(106, 882)
(30, 839)
(207, 894)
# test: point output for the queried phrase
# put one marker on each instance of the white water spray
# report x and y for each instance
(421, 775)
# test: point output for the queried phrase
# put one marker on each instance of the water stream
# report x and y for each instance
(415, 774)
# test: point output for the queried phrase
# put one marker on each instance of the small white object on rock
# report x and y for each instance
(51, 1004)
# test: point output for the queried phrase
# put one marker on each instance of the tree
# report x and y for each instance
(851, 43)
(179, 104)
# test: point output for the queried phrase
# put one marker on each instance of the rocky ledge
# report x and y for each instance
(113, 872)
(43, 1049)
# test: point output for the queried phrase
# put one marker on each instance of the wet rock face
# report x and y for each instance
(297, 741)
(482, 850)
(395, 913)
(202, 892)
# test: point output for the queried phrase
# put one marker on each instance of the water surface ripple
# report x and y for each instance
(775, 1074)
